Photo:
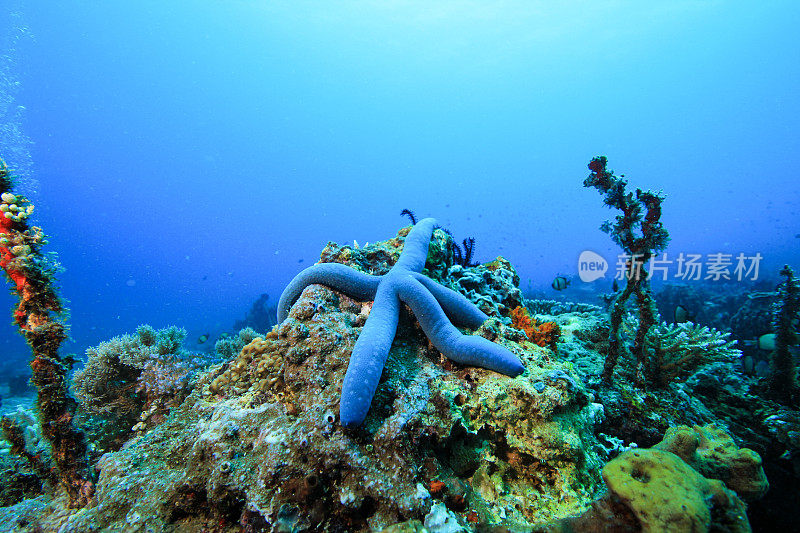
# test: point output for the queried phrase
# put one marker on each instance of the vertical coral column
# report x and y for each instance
(37, 315)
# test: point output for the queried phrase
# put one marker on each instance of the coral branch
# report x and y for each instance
(37, 317)
(639, 232)
(782, 382)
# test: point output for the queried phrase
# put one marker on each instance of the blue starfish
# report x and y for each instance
(436, 307)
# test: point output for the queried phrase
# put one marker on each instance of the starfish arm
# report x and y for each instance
(415, 248)
(458, 308)
(464, 349)
(369, 356)
(338, 277)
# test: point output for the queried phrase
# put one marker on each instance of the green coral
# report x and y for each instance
(229, 347)
(677, 350)
(712, 452)
(128, 374)
(666, 494)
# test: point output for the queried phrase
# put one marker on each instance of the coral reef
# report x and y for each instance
(675, 486)
(438, 309)
(255, 443)
(545, 334)
(678, 350)
(229, 347)
(640, 213)
(24, 458)
(712, 452)
(666, 494)
(258, 444)
(492, 286)
(256, 368)
(38, 316)
(131, 382)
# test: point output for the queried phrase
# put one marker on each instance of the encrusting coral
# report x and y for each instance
(256, 367)
(712, 452)
(38, 316)
(666, 494)
(695, 479)
(229, 347)
(640, 234)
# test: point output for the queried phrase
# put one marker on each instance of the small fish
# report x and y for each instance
(299, 260)
(682, 315)
(202, 338)
(766, 342)
(205, 277)
(560, 283)
(224, 335)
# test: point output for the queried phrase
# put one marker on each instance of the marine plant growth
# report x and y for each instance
(639, 232)
(131, 381)
(39, 316)
(783, 382)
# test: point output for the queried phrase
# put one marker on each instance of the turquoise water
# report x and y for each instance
(189, 156)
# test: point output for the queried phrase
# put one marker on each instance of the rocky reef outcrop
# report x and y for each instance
(255, 444)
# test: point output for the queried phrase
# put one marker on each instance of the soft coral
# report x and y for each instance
(545, 334)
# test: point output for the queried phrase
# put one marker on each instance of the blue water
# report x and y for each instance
(187, 156)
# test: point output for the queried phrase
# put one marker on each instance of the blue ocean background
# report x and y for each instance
(186, 157)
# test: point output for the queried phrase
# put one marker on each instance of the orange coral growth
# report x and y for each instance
(436, 486)
(546, 334)
(6, 257)
(22, 262)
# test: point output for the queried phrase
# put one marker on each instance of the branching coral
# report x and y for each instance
(675, 351)
(545, 334)
(129, 374)
(228, 348)
(639, 232)
(782, 381)
(39, 315)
